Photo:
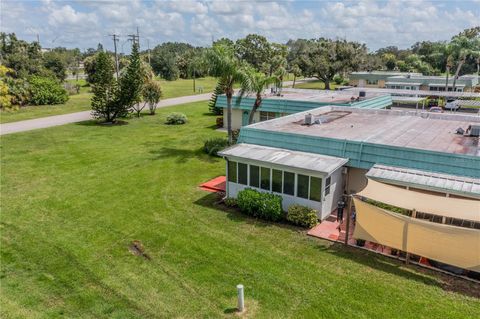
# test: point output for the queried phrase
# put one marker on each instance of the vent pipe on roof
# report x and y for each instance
(309, 120)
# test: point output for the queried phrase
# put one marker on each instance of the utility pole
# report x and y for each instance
(115, 40)
(38, 38)
(148, 47)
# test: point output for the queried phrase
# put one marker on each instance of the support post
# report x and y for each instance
(241, 304)
(349, 208)
(407, 255)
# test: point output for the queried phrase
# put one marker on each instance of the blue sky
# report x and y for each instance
(83, 24)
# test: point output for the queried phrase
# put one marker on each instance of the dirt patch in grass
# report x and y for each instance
(137, 248)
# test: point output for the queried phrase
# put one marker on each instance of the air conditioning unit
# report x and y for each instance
(309, 119)
(474, 130)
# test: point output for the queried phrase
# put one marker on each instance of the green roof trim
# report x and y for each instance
(295, 106)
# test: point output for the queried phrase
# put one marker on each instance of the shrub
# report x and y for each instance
(338, 79)
(302, 216)
(262, 205)
(46, 91)
(230, 202)
(176, 118)
(213, 145)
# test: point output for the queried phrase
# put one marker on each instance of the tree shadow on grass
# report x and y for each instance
(182, 155)
(398, 268)
(213, 200)
(102, 124)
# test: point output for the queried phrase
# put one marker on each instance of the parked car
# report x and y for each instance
(436, 109)
(452, 105)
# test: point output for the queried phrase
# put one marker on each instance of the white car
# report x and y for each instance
(452, 105)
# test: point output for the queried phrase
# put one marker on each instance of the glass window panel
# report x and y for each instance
(277, 181)
(315, 188)
(242, 174)
(302, 186)
(289, 183)
(265, 178)
(232, 171)
(254, 176)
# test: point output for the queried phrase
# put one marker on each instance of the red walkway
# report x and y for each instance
(215, 185)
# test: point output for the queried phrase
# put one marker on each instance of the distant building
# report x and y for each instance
(411, 81)
(375, 79)
(465, 83)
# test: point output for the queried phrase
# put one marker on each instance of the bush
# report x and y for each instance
(302, 216)
(176, 118)
(213, 145)
(338, 79)
(46, 91)
(262, 205)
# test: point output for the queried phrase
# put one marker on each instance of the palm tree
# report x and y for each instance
(229, 71)
(256, 83)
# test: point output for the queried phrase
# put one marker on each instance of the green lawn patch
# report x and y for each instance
(76, 197)
(314, 85)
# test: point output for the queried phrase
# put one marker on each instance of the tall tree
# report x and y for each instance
(253, 49)
(228, 69)
(105, 104)
(256, 83)
(131, 81)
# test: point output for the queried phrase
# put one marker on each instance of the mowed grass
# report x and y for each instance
(74, 197)
(314, 85)
(81, 102)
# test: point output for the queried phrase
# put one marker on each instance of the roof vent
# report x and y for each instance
(460, 131)
(362, 94)
(473, 130)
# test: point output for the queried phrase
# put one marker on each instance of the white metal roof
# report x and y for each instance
(458, 185)
(407, 99)
(415, 92)
(443, 84)
(403, 83)
(278, 156)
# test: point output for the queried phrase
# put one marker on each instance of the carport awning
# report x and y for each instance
(282, 157)
(426, 203)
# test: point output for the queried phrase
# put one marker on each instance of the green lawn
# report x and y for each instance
(315, 85)
(74, 197)
(81, 102)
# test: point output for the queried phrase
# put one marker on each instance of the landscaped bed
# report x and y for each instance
(108, 221)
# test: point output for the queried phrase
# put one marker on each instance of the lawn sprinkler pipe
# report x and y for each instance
(241, 303)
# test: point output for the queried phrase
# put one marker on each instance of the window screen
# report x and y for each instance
(288, 183)
(242, 174)
(277, 181)
(254, 176)
(327, 185)
(265, 178)
(232, 171)
(315, 188)
(302, 186)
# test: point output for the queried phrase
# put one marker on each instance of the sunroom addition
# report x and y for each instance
(307, 179)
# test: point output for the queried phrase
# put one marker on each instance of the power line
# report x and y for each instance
(115, 40)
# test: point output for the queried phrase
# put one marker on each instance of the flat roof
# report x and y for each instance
(283, 157)
(400, 128)
(458, 185)
(415, 92)
(320, 96)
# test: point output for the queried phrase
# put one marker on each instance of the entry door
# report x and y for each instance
(245, 118)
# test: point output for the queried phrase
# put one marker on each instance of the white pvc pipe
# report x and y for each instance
(241, 303)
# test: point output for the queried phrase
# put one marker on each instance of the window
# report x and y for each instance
(277, 181)
(265, 178)
(242, 174)
(372, 82)
(254, 176)
(315, 188)
(232, 171)
(327, 185)
(264, 116)
(302, 186)
(288, 183)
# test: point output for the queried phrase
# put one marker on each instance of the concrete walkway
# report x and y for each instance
(43, 122)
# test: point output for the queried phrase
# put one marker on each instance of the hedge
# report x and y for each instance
(45, 91)
(302, 216)
(258, 204)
